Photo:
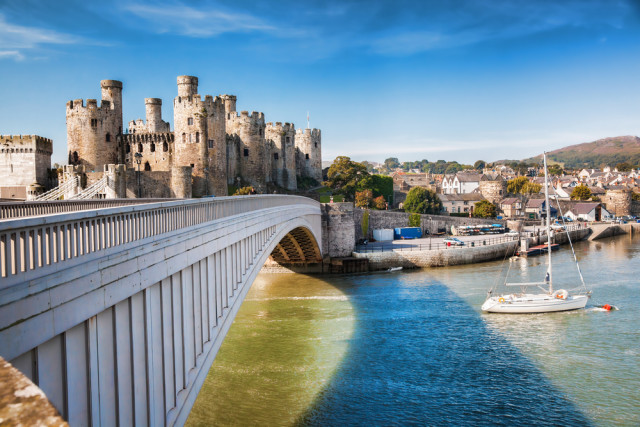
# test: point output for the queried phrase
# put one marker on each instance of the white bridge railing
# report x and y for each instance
(60, 190)
(34, 243)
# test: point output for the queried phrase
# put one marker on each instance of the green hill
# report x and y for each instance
(603, 152)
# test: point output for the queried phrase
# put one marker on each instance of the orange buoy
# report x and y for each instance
(607, 307)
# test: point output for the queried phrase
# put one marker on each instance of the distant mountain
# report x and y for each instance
(603, 152)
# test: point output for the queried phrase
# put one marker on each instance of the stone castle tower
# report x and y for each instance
(282, 141)
(309, 159)
(618, 201)
(93, 131)
(246, 146)
(200, 130)
(153, 113)
(494, 189)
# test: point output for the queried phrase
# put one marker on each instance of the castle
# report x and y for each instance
(212, 146)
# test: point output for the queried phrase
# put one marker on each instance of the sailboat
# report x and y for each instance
(547, 299)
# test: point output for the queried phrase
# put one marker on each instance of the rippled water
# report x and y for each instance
(413, 348)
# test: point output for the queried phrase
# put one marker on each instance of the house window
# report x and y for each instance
(246, 152)
(275, 156)
(153, 147)
(211, 143)
(108, 137)
(190, 121)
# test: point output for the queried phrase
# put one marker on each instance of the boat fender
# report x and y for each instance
(501, 299)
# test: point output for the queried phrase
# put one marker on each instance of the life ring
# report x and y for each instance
(501, 299)
(561, 294)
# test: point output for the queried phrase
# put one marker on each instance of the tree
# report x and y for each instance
(484, 209)
(365, 223)
(581, 192)
(379, 203)
(422, 200)
(635, 196)
(530, 188)
(515, 185)
(344, 176)
(392, 163)
(624, 167)
(556, 169)
(363, 198)
(414, 220)
(479, 165)
(243, 191)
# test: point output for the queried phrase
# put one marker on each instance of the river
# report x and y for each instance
(413, 347)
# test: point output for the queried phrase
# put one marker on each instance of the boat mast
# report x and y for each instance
(546, 202)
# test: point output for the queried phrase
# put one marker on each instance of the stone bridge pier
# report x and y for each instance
(117, 314)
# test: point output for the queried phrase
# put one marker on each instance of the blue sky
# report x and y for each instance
(454, 80)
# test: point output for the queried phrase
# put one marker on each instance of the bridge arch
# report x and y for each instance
(117, 314)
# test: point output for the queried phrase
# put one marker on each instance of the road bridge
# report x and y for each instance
(117, 313)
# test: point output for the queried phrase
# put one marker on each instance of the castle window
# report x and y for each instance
(147, 166)
(287, 139)
(75, 157)
(153, 147)
(184, 137)
(94, 123)
(315, 144)
(190, 121)
(246, 152)
(165, 147)
(108, 137)
(306, 156)
(140, 148)
(260, 131)
(275, 156)
(211, 143)
(197, 136)
(128, 148)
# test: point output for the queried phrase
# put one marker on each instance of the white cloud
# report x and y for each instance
(17, 38)
(14, 54)
(188, 21)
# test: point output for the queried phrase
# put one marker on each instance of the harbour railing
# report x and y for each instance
(433, 244)
(32, 243)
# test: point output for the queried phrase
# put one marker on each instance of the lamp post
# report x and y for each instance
(138, 160)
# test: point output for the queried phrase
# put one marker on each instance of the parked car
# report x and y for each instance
(453, 241)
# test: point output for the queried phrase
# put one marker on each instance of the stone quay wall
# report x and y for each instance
(437, 258)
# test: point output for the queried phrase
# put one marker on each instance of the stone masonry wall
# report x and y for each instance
(154, 184)
(338, 230)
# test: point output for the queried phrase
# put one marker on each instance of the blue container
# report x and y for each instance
(407, 233)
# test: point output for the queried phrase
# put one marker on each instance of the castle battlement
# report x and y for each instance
(279, 127)
(314, 133)
(27, 143)
(77, 105)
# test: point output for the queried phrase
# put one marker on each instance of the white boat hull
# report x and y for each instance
(533, 303)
